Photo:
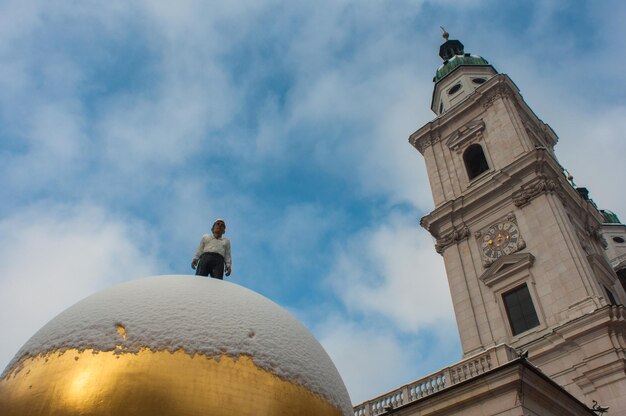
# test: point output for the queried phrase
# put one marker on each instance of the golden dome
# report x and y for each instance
(173, 345)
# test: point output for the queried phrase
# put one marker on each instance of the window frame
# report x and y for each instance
(465, 164)
(508, 307)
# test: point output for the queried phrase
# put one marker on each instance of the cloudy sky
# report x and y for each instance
(127, 127)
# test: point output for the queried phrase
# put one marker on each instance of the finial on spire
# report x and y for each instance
(450, 48)
(445, 34)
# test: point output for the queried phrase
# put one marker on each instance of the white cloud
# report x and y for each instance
(359, 68)
(55, 140)
(375, 359)
(392, 270)
(53, 256)
(593, 151)
(370, 361)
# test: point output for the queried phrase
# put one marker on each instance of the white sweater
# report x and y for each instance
(210, 244)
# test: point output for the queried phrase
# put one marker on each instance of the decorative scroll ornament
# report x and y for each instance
(542, 186)
(426, 141)
(422, 144)
(453, 237)
(498, 92)
(595, 233)
(467, 134)
(541, 139)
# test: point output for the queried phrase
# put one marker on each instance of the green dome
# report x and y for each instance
(456, 61)
(609, 217)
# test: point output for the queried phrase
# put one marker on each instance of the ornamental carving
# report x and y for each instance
(595, 233)
(465, 135)
(498, 92)
(453, 237)
(426, 141)
(542, 134)
(422, 144)
(542, 186)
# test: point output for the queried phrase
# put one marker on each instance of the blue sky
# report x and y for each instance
(127, 127)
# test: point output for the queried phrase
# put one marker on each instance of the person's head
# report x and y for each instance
(219, 227)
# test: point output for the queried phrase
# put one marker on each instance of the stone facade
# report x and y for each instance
(550, 244)
(615, 237)
(569, 277)
(496, 382)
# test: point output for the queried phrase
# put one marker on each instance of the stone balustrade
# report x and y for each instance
(449, 376)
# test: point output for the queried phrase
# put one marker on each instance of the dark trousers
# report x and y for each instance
(211, 264)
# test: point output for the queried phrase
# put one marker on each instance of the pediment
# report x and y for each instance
(507, 266)
(465, 134)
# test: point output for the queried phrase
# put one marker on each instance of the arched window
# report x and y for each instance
(475, 161)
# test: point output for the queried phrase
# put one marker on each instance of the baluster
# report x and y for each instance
(446, 379)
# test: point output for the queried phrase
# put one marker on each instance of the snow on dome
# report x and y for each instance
(199, 316)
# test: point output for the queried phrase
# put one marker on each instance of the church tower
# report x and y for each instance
(523, 248)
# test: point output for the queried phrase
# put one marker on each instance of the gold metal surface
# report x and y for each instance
(121, 330)
(151, 383)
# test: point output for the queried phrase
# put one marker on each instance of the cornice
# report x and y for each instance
(498, 86)
(542, 185)
(542, 133)
(530, 176)
(501, 90)
(465, 134)
(608, 315)
(507, 266)
(496, 189)
(458, 234)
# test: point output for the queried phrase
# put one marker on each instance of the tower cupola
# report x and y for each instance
(450, 48)
(459, 75)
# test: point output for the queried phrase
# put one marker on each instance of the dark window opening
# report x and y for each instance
(610, 296)
(454, 89)
(475, 161)
(441, 108)
(478, 80)
(618, 239)
(520, 309)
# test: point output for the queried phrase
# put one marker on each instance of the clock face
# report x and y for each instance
(500, 239)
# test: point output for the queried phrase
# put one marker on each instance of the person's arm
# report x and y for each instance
(227, 258)
(199, 251)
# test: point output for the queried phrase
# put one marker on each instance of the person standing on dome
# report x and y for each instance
(213, 253)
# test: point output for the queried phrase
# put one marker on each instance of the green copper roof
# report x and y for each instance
(455, 62)
(609, 217)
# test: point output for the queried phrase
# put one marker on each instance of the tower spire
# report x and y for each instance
(459, 74)
(450, 48)
(445, 34)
